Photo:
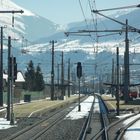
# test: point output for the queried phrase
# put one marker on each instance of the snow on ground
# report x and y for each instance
(123, 116)
(131, 119)
(73, 115)
(4, 124)
(85, 108)
(133, 132)
(96, 106)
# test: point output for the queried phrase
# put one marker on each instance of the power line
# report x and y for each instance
(94, 22)
(83, 13)
(85, 20)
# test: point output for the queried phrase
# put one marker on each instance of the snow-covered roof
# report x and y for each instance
(20, 77)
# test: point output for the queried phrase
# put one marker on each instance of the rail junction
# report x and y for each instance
(96, 120)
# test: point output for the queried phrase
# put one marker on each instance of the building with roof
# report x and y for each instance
(18, 85)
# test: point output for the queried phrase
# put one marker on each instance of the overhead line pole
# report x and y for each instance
(126, 66)
(52, 71)
(1, 69)
(126, 57)
(117, 88)
(126, 53)
(9, 82)
(112, 78)
(69, 77)
(1, 54)
(62, 77)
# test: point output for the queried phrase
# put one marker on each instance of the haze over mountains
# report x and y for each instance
(35, 32)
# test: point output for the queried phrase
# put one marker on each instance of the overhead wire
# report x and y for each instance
(101, 22)
(95, 22)
(85, 19)
(83, 14)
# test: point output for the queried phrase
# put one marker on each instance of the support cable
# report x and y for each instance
(87, 26)
(95, 23)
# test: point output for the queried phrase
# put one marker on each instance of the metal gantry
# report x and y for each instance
(127, 29)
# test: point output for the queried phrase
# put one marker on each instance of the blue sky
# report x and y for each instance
(66, 11)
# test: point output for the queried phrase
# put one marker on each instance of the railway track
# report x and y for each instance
(114, 128)
(95, 126)
(134, 119)
(35, 130)
(103, 122)
(96, 119)
(110, 131)
(98, 126)
(39, 129)
(86, 126)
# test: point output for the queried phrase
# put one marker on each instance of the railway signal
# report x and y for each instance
(1, 50)
(79, 70)
(13, 68)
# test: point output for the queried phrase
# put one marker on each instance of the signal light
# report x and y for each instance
(79, 70)
(13, 68)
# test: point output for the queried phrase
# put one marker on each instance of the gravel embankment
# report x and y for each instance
(65, 130)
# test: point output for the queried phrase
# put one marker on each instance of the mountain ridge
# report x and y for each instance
(78, 48)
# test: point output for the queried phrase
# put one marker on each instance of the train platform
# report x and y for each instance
(132, 106)
(32, 109)
(26, 109)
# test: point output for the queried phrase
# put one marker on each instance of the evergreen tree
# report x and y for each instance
(33, 78)
(30, 77)
(39, 79)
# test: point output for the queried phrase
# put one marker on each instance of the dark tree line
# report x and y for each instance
(33, 78)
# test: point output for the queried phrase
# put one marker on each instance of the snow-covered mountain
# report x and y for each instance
(96, 57)
(28, 24)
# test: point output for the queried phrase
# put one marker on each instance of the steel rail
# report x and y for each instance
(123, 130)
(31, 127)
(103, 131)
(100, 133)
(59, 119)
(86, 126)
(35, 125)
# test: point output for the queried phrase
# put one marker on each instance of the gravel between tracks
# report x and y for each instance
(21, 124)
(66, 129)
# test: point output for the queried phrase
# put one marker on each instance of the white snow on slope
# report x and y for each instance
(74, 45)
(6, 19)
(9, 5)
